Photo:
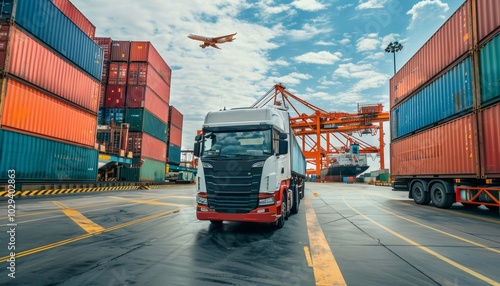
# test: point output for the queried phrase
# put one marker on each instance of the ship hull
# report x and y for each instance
(336, 173)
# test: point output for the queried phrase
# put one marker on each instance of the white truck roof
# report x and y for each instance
(248, 116)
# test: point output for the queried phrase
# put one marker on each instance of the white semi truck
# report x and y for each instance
(250, 167)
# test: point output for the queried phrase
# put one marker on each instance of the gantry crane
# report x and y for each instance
(320, 130)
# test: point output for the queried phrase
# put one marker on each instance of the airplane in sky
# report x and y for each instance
(212, 41)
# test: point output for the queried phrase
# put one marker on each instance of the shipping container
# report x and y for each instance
(33, 62)
(143, 145)
(140, 96)
(105, 44)
(176, 117)
(432, 58)
(174, 154)
(150, 171)
(102, 95)
(75, 16)
(144, 74)
(57, 31)
(115, 96)
(175, 135)
(489, 64)
(113, 115)
(491, 139)
(146, 52)
(446, 97)
(120, 51)
(100, 116)
(141, 120)
(117, 73)
(38, 159)
(487, 17)
(105, 71)
(30, 110)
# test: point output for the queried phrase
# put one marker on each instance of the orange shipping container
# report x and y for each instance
(491, 137)
(144, 74)
(175, 136)
(143, 145)
(146, 52)
(140, 96)
(29, 110)
(36, 64)
(75, 16)
(176, 117)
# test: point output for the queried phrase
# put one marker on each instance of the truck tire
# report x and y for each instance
(440, 198)
(216, 221)
(419, 193)
(303, 190)
(281, 221)
(296, 200)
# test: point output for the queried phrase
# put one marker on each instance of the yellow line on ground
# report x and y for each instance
(326, 269)
(147, 202)
(70, 240)
(82, 221)
(308, 256)
(431, 252)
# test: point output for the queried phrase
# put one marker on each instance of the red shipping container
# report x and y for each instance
(146, 52)
(447, 150)
(491, 137)
(175, 135)
(144, 145)
(118, 73)
(29, 110)
(140, 96)
(488, 17)
(176, 117)
(120, 51)
(36, 64)
(144, 74)
(105, 72)
(448, 44)
(105, 44)
(75, 16)
(115, 96)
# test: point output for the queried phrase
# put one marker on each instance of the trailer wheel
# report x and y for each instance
(296, 200)
(419, 194)
(281, 221)
(216, 221)
(440, 198)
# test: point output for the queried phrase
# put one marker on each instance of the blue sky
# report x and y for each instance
(329, 53)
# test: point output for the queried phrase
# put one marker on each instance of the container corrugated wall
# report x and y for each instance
(174, 154)
(447, 96)
(150, 171)
(115, 96)
(175, 135)
(141, 120)
(488, 17)
(140, 96)
(489, 64)
(117, 73)
(105, 44)
(56, 30)
(76, 16)
(146, 52)
(39, 159)
(455, 35)
(448, 149)
(34, 63)
(144, 145)
(144, 74)
(30, 110)
(120, 51)
(491, 139)
(176, 117)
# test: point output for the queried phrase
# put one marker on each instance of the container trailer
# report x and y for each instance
(250, 167)
(444, 128)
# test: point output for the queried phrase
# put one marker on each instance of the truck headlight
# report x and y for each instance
(258, 164)
(201, 200)
(266, 201)
(207, 165)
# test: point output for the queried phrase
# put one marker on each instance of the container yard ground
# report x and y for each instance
(151, 237)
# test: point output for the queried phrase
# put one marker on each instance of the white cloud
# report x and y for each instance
(368, 43)
(345, 41)
(323, 58)
(427, 11)
(307, 32)
(291, 79)
(308, 5)
(366, 76)
(323, 43)
(370, 4)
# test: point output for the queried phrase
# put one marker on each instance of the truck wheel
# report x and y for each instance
(419, 194)
(296, 200)
(440, 198)
(216, 221)
(281, 221)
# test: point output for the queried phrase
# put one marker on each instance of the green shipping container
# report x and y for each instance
(385, 177)
(141, 120)
(36, 159)
(150, 171)
(489, 62)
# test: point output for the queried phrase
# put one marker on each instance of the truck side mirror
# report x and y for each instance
(196, 149)
(283, 147)
(283, 136)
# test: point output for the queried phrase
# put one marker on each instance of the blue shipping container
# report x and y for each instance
(45, 21)
(100, 116)
(174, 154)
(446, 97)
(113, 113)
(38, 159)
(489, 63)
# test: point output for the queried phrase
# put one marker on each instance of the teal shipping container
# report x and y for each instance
(150, 171)
(45, 21)
(489, 64)
(141, 120)
(38, 159)
(174, 154)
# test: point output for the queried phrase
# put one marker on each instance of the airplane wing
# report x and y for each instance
(215, 46)
(227, 37)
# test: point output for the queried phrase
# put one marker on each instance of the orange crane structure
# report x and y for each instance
(321, 130)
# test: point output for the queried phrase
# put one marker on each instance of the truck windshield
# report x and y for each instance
(251, 143)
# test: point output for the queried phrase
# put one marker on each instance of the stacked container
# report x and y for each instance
(49, 93)
(445, 102)
(175, 136)
(137, 92)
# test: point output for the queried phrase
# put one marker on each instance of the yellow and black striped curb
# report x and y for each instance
(68, 191)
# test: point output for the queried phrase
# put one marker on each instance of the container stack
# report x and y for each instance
(137, 92)
(446, 99)
(175, 136)
(49, 92)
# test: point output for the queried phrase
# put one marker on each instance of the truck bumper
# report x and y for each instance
(261, 214)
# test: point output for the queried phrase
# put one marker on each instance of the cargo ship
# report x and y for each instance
(345, 165)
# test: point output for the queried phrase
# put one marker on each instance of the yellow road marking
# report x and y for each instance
(70, 240)
(315, 194)
(308, 256)
(148, 202)
(82, 221)
(326, 269)
(431, 252)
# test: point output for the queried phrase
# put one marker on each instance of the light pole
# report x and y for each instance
(394, 48)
